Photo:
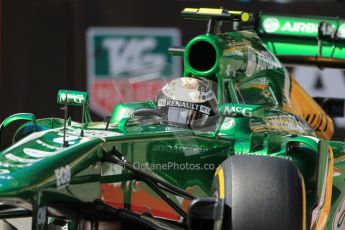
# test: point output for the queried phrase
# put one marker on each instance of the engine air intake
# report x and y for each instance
(202, 56)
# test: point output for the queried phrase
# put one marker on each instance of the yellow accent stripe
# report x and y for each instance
(220, 175)
(191, 10)
(210, 11)
(235, 12)
(324, 212)
(217, 11)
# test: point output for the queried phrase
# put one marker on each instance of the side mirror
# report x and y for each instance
(73, 97)
(17, 117)
(241, 110)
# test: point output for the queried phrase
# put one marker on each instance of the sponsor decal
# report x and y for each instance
(4, 171)
(308, 27)
(228, 70)
(251, 65)
(162, 102)
(18, 159)
(205, 109)
(73, 135)
(101, 134)
(271, 25)
(48, 146)
(260, 61)
(232, 111)
(41, 215)
(114, 50)
(29, 155)
(38, 153)
(258, 154)
(91, 133)
(300, 27)
(228, 123)
(23, 161)
(341, 31)
(69, 138)
(339, 217)
(6, 177)
(186, 105)
(187, 150)
(287, 123)
(71, 97)
(63, 176)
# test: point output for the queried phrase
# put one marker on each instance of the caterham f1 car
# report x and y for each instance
(235, 143)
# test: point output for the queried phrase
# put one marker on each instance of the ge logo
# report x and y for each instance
(63, 176)
(41, 215)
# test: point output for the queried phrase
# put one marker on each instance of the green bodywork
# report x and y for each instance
(49, 166)
(296, 39)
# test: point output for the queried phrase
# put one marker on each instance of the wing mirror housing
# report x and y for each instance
(241, 110)
(76, 98)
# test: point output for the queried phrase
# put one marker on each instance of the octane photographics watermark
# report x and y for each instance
(173, 166)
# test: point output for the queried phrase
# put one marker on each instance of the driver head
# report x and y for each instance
(188, 101)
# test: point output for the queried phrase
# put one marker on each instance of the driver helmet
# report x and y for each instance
(189, 101)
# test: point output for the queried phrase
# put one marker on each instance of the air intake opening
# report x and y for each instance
(202, 56)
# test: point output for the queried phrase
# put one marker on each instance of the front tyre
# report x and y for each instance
(260, 193)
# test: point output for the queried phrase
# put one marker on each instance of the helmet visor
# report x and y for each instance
(188, 101)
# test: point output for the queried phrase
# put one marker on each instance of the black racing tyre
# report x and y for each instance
(260, 193)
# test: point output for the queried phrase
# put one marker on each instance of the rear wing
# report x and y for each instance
(304, 40)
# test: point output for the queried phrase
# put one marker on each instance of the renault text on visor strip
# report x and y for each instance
(182, 104)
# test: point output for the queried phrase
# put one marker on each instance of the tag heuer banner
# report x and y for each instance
(113, 50)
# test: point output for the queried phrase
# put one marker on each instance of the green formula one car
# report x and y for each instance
(234, 143)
